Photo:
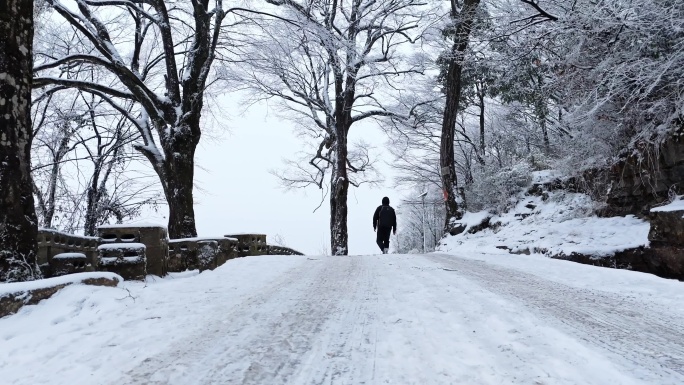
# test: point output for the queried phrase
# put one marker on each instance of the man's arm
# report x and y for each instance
(376, 217)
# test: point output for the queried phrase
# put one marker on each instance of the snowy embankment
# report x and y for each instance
(556, 223)
(399, 319)
(23, 287)
(13, 296)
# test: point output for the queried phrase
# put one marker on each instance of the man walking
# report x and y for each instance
(384, 221)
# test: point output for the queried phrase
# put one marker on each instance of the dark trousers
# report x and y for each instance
(383, 237)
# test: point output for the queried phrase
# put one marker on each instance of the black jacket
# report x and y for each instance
(376, 217)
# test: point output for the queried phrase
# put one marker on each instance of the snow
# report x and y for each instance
(113, 52)
(199, 239)
(67, 234)
(545, 176)
(132, 224)
(473, 219)
(106, 261)
(69, 256)
(668, 293)
(676, 205)
(16, 287)
(472, 318)
(559, 225)
(244, 233)
(127, 246)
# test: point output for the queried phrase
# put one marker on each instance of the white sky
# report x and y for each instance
(235, 193)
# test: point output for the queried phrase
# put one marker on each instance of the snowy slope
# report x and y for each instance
(391, 319)
(558, 223)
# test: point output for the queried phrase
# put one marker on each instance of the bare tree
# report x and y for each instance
(81, 157)
(160, 54)
(421, 220)
(110, 192)
(51, 144)
(335, 64)
(18, 223)
(415, 142)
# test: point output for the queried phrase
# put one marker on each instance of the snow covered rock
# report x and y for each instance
(457, 228)
(558, 224)
(471, 223)
(665, 255)
(667, 224)
(644, 180)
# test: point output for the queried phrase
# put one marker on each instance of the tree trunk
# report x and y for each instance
(176, 172)
(545, 135)
(49, 212)
(339, 183)
(481, 158)
(51, 203)
(454, 196)
(542, 110)
(90, 226)
(179, 172)
(18, 221)
(468, 168)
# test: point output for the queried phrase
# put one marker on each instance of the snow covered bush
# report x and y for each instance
(495, 188)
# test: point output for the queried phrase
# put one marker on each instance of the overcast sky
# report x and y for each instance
(235, 193)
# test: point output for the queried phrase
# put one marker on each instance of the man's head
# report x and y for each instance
(385, 201)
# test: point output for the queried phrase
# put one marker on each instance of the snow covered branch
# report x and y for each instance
(82, 85)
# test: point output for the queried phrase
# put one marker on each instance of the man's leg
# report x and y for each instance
(378, 238)
(386, 231)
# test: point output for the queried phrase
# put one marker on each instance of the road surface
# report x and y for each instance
(422, 319)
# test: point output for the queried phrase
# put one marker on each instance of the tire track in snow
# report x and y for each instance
(251, 344)
(640, 332)
(349, 336)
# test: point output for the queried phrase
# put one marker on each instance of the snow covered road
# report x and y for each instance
(383, 319)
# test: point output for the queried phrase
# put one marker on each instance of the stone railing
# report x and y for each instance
(282, 250)
(74, 253)
(250, 244)
(201, 253)
(128, 260)
(134, 251)
(153, 237)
